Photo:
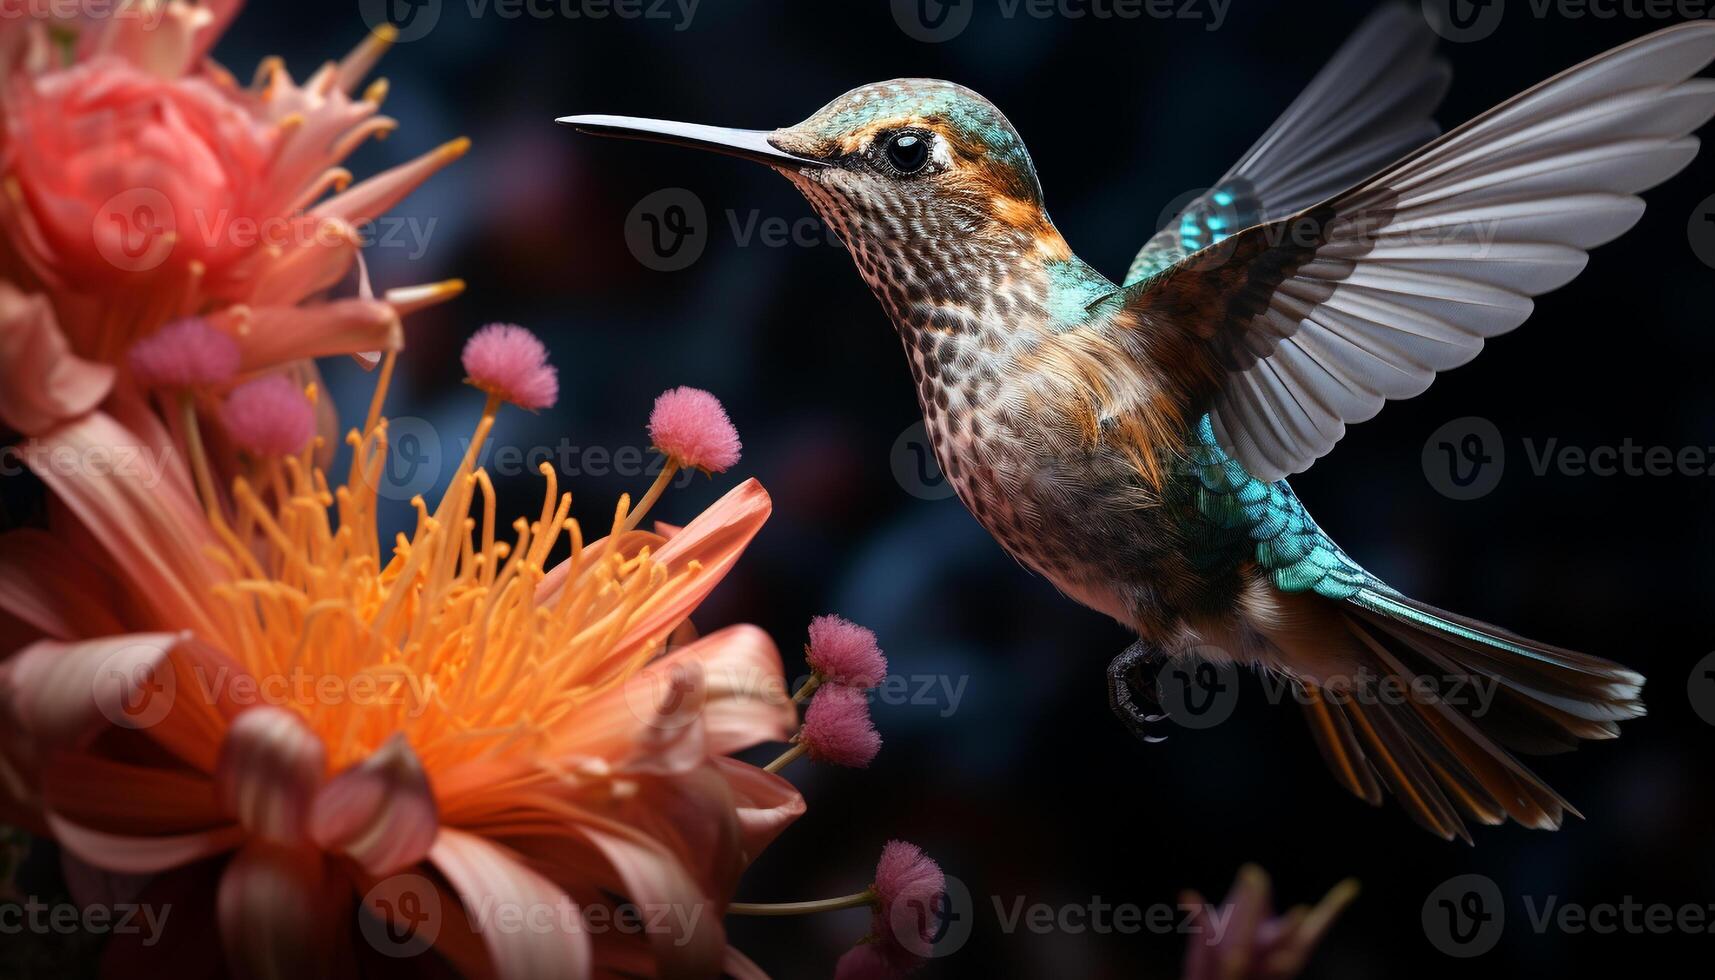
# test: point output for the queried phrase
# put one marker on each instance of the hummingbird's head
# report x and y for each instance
(914, 174)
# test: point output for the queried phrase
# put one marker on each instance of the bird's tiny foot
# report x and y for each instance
(1131, 691)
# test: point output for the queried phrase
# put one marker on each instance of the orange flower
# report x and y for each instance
(141, 183)
(273, 715)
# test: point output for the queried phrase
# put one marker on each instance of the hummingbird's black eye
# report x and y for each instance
(908, 152)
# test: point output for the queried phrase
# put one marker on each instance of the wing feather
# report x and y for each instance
(1307, 323)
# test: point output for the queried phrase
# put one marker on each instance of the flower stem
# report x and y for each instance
(786, 757)
(668, 470)
(865, 897)
(199, 458)
(808, 688)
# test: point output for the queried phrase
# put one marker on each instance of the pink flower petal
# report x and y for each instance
(54, 588)
(270, 768)
(129, 491)
(42, 382)
(63, 694)
(487, 876)
(766, 803)
(380, 811)
(141, 855)
(278, 913)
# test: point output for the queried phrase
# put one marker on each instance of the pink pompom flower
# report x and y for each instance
(908, 907)
(838, 730)
(186, 353)
(510, 363)
(693, 430)
(843, 652)
(269, 417)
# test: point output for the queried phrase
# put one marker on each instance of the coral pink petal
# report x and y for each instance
(269, 417)
(42, 381)
(691, 427)
(270, 767)
(486, 875)
(185, 353)
(837, 728)
(276, 916)
(507, 361)
(63, 694)
(842, 651)
(380, 811)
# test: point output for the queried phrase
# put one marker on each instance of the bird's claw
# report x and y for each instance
(1131, 691)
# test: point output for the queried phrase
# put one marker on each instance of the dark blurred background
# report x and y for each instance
(1020, 781)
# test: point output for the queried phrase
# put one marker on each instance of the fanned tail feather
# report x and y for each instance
(1482, 693)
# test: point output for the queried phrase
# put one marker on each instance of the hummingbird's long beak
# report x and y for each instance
(748, 144)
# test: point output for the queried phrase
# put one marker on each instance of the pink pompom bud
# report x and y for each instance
(908, 889)
(865, 961)
(691, 427)
(845, 653)
(508, 362)
(837, 728)
(269, 417)
(187, 353)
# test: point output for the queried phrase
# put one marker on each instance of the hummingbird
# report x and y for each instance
(1132, 441)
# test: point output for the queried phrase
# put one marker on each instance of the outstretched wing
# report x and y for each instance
(1289, 330)
(1367, 108)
